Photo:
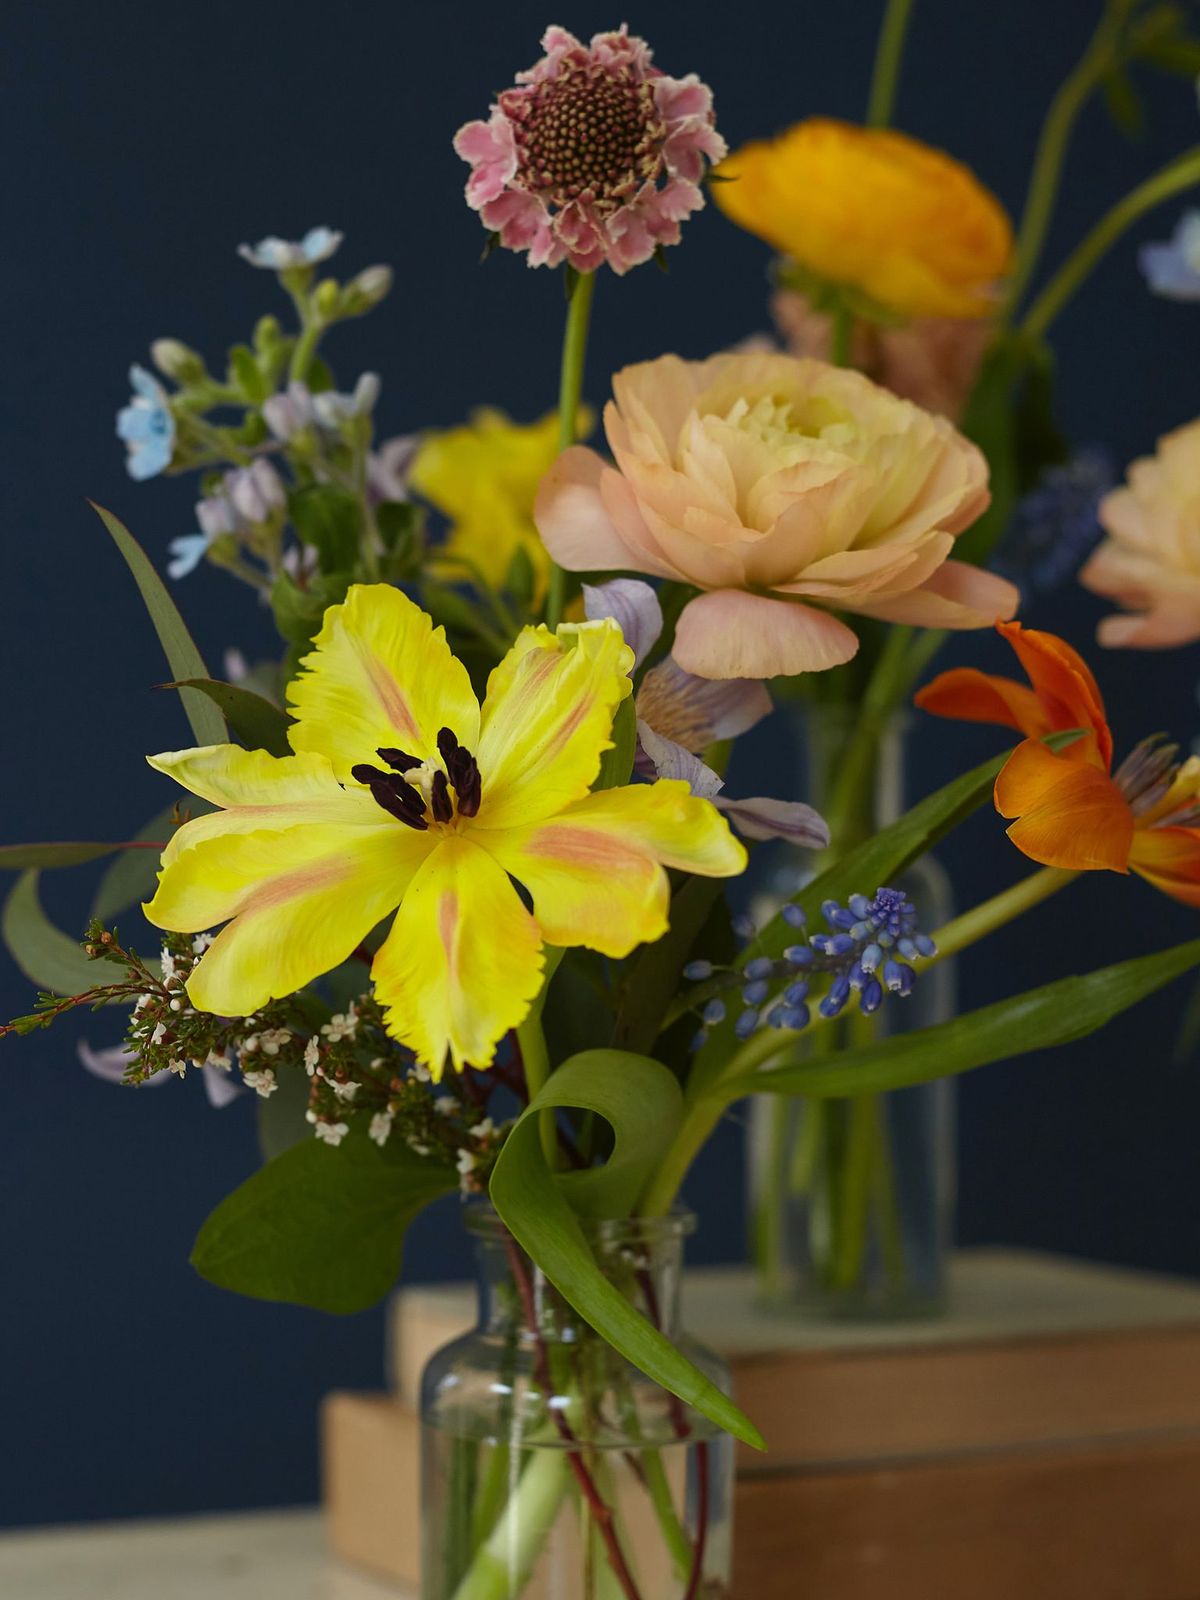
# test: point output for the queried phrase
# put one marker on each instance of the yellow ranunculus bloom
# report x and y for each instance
(404, 792)
(483, 477)
(876, 210)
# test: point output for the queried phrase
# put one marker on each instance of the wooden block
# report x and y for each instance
(1118, 1523)
(371, 1484)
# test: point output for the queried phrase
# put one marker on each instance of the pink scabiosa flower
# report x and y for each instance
(594, 155)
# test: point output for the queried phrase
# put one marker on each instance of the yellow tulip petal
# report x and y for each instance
(302, 899)
(259, 792)
(380, 675)
(594, 872)
(547, 720)
(463, 961)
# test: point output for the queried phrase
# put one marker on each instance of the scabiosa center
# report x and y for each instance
(592, 131)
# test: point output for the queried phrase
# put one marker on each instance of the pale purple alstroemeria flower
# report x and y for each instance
(388, 468)
(1173, 269)
(679, 714)
(110, 1063)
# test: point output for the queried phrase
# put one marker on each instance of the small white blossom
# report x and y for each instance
(201, 943)
(445, 1105)
(310, 1116)
(249, 1044)
(344, 1091)
(417, 1148)
(342, 1026)
(421, 1073)
(272, 1038)
(466, 1163)
(177, 1066)
(167, 962)
(312, 1054)
(261, 1080)
(381, 1127)
(159, 1034)
(483, 1130)
(142, 1000)
(332, 1132)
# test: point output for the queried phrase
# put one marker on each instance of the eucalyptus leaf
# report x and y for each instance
(258, 723)
(62, 853)
(320, 1226)
(46, 955)
(131, 878)
(642, 1103)
(1058, 1013)
(178, 645)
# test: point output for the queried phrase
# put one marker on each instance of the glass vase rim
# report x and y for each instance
(483, 1221)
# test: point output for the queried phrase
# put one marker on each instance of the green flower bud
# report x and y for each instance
(328, 297)
(177, 361)
(365, 291)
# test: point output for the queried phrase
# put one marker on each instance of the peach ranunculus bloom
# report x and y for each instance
(786, 490)
(1150, 561)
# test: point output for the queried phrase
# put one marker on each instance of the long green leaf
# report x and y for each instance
(183, 657)
(320, 1227)
(19, 857)
(46, 955)
(257, 723)
(641, 1101)
(1055, 1014)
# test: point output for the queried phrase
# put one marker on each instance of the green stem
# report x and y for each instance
(306, 345)
(1046, 173)
(841, 333)
(570, 389)
(504, 1565)
(888, 685)
(536, 1058)
(888, 55)
(1002, 908)
(1176, 176)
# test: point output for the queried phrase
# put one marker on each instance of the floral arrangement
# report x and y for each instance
(443, 883)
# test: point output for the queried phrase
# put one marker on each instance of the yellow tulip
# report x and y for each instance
(876, 211)
(404, 792)
(483, 478)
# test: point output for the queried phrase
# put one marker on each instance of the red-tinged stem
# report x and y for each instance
(697, 1572)
(601, 1512)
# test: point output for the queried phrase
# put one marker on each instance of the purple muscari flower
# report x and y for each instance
(278, 255)
(794, 916)
(1173, 269)
(146, 426)
(680, 714)
(868, 930)
(697, 971)
(743, 928)
(1055, 525)
(713, 1013)
(746, 1024)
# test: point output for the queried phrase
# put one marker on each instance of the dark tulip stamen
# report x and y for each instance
(440, 803)
(400, 759)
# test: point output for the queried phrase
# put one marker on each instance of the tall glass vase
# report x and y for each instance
(852, 1200)
(551, 1468)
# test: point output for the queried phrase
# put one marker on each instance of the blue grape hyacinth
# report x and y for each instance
(867, 953)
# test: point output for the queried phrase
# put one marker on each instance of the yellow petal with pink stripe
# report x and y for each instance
(547, 720)
(301, 900)
(380, 675)
(463, 961)
(260, 792)
(595, 872)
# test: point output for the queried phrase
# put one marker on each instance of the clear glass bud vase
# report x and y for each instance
(551, 1468)
(852, 1200)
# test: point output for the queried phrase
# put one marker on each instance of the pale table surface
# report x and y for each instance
(273, 1555)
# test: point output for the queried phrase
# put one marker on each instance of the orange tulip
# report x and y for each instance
(1071, 809)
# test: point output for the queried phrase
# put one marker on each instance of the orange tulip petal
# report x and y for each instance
(1069, 813)
(974, 696)
(1169, 858)
(1062, 681)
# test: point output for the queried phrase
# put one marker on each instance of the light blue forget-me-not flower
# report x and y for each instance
(277, 255)
(146, 426)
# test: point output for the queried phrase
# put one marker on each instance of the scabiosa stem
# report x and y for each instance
(888, 55)
(570, 390)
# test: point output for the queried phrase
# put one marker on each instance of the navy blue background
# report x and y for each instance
(142, 143)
